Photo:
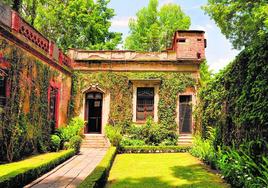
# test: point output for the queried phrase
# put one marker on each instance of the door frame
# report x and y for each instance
(189, 93)
(105, 104)
(87, 110)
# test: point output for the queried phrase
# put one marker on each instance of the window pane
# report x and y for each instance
(145, 103)
(98, 96)
(90, 96)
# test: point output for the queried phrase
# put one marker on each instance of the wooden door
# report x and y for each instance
(94, 112)
(185, 114)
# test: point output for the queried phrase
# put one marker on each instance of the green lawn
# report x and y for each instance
(161, 170)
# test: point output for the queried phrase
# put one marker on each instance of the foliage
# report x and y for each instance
(114, 135)
(71, 23)
(99, 175)
(18, 174)
(131, 142)
(25, 132)
(78, 24)
(74, 128)
(241, 169)
(204, 148)
(75, 143)
(236, 101)
(55, 142)
(154, 149)
(152, 133)
(205, 73)
(117, 85)
(241, 22)
(163, 170)
(153, 28)
(27, 8)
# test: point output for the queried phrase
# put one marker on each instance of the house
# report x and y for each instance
(40, 82)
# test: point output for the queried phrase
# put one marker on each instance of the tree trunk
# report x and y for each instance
(16, 5)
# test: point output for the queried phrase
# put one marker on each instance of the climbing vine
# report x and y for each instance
(121, 92)
(235, 101)
(25, 127)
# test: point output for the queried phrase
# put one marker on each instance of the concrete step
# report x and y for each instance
(185, 139)
(95, 141)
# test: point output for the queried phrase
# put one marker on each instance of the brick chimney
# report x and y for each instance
(190, 45)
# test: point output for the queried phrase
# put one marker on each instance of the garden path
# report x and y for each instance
(72, 172)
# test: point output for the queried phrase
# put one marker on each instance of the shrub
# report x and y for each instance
(241, 170)
(152, 133)
(75, 143)
(204, 148)
(55, 142)
(99, 175)
(113, 133)
(66, 145)
(154, 149)
(72, 129)
(131, 142)
(22, 174)
(168, 142)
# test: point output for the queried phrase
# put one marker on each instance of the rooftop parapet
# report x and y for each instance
(11, 21)
(187, 46)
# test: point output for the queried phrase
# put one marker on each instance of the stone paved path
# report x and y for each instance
(72, 172)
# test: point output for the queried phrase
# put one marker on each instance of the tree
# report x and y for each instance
(27, 8)
(243, 22)
(78, 24)
(153, 29)
(205, 73)
(72, 23)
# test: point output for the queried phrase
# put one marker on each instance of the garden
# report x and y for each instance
(230, 147)
(64, 144)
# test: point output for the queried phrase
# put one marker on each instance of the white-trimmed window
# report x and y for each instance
(145, 99)
(145, 103)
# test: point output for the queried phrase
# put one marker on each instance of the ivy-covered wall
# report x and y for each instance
(235, 101)
(121, 93)
(25, 127)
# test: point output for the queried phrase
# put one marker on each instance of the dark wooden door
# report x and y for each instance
(94, 112)
(185, 114)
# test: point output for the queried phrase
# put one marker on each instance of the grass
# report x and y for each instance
(15, 168)
(161, 170)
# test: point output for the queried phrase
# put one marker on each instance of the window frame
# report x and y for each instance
(145, 83)
(146, 112)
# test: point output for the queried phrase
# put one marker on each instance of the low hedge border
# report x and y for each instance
(100, 174)
(21, 177)
(155, 149)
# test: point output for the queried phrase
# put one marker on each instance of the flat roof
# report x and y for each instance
(191, 31)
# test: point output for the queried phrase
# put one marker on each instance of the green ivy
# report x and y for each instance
(235, 101)
(117, 83)
(24, 133)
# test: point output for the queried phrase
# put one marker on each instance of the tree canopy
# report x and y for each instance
(71, 23)
(153, 28)
(240, 21)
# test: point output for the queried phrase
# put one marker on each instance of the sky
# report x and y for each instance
(219, 51)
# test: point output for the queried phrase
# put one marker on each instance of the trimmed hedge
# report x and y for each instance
(154, 149)
(22, 172)
(99, 175)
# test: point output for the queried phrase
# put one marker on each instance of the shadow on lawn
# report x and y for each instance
(193, 176)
